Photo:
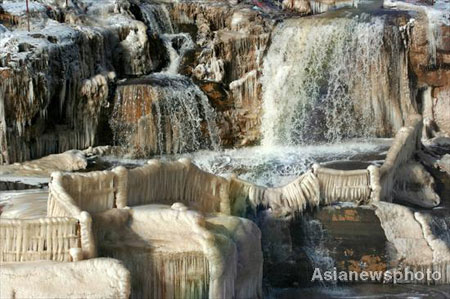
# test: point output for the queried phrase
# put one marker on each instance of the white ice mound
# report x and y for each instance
(72, 160)
(177, 237)
(95, 278)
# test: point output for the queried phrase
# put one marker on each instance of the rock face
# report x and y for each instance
(230, 45)
(441, 108)
(59, 80)
(388, 237)
(324, 239)
(300, 6)
(62, 75)
(436, 103)
(163, 114)
(429, 58)
(56, 79)
(429, 53)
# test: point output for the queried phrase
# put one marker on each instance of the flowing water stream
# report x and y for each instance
(276, 165)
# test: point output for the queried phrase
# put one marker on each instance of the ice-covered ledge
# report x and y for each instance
(170, 215)
(142, 209)
(94, 278)
(363, 184)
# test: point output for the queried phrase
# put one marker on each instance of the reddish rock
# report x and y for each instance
(421, 58)
(217, 95)
(301, 6)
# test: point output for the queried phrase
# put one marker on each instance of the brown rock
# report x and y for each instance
(301, 6)
(217, 94)
(421, 58)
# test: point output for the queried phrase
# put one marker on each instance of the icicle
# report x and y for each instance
(341, 91)
(163, 114)
(179, 182)
(157, 18)
(22, 240)
(406, 142)
(343, 185)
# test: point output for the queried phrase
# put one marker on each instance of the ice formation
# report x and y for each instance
(419, 239)
(38, 239)
(72, 160)
(339, 92)
(321, 186)
(217, 252)
(406, 143)
(69, 86)
(179, 182)
(435, 232)
(163, 114)
(343, 185)
(435, 109)
(323, 6)
(415, 185)
(177, 219)
(324, 185)
(436, 15)
(101, 278)
(24, 204)
(405, 234)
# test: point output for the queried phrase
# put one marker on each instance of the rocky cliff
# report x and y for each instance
(62, 81)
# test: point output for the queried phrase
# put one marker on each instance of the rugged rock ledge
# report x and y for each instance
(58, 80)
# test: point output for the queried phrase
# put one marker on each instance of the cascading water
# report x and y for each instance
(328, 79)
(157, 18)
(164, 114)
(314, 245)
(177, 45)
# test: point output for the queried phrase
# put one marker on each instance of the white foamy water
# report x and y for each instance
(183, 42)
(172, 117)
(19, 8)
(276, 165)
(316, 74)
(157, 18)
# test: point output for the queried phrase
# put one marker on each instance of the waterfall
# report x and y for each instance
(177, 45)
(163, 114)
(328, 79)
(314, 245)
(157, 18)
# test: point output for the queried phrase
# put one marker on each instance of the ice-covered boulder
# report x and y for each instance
(95, 278)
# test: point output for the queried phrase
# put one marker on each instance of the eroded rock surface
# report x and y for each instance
(63, 74)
